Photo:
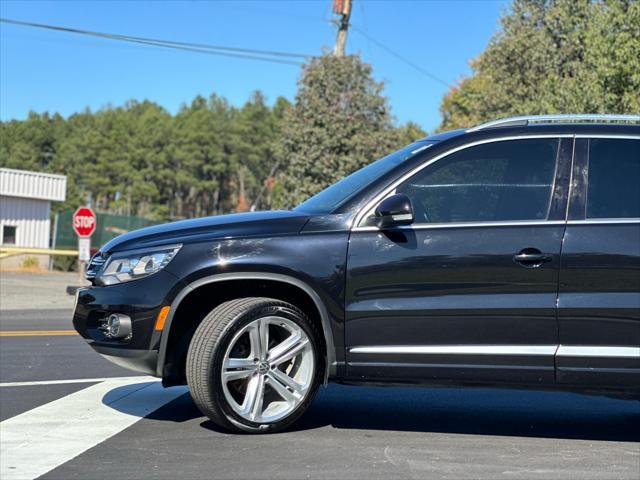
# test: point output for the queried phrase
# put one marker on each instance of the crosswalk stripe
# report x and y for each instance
(67, 381)
(35, 442)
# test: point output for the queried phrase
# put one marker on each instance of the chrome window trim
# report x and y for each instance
(599, 351)
(382, 195)
(610, 135)
(429, 226)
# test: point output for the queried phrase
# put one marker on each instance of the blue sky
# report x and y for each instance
(61, 72)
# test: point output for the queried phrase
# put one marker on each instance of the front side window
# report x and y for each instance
(614, 178)
(333, 196)
(498, 181)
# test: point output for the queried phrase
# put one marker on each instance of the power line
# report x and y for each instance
(220, 50)
(246, 53)
(400, 57)
(364, 24)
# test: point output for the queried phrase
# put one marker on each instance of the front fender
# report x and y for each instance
(313, 262)
(324, 316)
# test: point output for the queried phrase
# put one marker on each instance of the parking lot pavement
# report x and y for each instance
(67, 413)
(47, 290)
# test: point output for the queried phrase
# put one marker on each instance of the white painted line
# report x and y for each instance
(73, 380)
(35, 442)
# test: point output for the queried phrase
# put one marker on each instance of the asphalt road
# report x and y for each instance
(47, 357)
(349, 432)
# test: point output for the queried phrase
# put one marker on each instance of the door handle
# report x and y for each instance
(532, 258)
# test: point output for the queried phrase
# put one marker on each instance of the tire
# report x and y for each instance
(271, 391)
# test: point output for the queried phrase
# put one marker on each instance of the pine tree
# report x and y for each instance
(340, 122)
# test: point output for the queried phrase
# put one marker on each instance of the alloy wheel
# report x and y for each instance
(268, 369)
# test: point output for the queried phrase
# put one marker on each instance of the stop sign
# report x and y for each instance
(84, 221)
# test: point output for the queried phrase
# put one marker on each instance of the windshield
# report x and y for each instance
(331, 197)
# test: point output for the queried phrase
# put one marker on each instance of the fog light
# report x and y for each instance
(117, 325)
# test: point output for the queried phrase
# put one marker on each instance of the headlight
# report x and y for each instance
(126, 266)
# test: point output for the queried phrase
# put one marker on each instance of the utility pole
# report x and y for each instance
(342, 8)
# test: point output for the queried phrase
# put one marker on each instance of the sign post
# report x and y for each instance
(84, 224)
(84, 249)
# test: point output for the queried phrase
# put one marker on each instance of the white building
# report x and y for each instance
(25, 206)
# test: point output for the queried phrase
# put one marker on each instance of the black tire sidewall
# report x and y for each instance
(235, 326)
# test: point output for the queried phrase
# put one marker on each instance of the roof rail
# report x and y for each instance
(565, 118)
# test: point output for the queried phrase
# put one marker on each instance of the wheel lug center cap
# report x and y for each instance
(263, 367)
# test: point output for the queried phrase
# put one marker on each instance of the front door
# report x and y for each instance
(468, 292)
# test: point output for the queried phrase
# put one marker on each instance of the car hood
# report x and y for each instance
(236, 225)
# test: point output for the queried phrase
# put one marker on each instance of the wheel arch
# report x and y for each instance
(195, 286)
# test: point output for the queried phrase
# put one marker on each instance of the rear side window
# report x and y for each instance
(614, 178)
(498, 181)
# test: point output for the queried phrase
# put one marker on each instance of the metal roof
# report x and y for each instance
(34, 185)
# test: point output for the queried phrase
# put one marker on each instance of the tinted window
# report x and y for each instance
(614, 179)
(499, 181)
(331, 197)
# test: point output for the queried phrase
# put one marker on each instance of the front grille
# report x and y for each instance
(94, 266)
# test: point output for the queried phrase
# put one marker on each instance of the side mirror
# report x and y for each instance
(394, 211)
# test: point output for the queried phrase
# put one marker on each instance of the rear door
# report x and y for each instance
(599, 294)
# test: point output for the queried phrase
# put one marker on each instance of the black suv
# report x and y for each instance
(504, 255)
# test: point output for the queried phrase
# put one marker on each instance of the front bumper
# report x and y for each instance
(141, 300)
(143, 361)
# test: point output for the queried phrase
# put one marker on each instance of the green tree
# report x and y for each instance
(30, 144)
(203, 136)
(146, 188)
(138, 159)
(340, 122)
(408, 133)
(256, 127)
(553, 56)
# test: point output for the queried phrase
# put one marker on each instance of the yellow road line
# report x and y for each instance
(36, 333)
(8, 251)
